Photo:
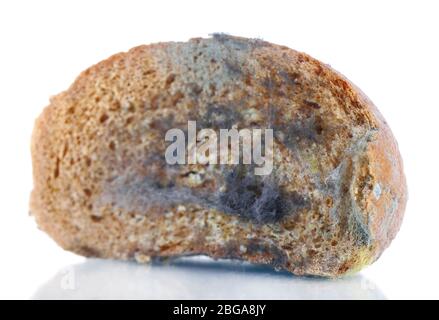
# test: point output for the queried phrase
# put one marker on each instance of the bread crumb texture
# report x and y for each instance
(333, 202)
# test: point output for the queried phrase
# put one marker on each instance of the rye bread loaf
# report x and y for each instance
(332, 203)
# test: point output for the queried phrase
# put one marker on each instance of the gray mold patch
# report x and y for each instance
(236, 52)
(238, 43)
(340, 185)
(260, 200)
(257, 198)
(307, 130)
(219, 62)
(333, 187)
(219, 117)
(359, 228)
(139, 195)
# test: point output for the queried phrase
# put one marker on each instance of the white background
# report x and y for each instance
(390, 49)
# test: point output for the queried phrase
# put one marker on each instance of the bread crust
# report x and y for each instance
(102, 188)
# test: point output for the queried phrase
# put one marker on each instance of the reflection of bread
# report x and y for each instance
(332, 204)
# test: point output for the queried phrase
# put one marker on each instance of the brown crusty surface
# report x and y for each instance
(333, 203)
